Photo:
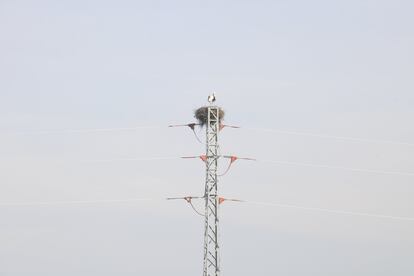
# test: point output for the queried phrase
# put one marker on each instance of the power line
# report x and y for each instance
(73, 202)
(278, 131)
(210, 117)
(324, 136)
(279, 162)
(272, 204)
(128, 159)
(337, 167)
(80, 130)
(329, 210)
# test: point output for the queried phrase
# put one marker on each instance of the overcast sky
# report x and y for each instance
(329, 68)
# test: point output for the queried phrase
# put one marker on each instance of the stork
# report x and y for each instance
(212, 98)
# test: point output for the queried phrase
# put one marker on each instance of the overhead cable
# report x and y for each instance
(337, 167)
(344, 138)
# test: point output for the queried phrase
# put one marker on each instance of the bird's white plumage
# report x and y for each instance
(212, 98)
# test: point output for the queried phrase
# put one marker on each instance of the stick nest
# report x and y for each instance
(201, 115)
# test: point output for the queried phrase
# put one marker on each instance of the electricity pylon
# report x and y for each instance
(211, 226)
(210, 118)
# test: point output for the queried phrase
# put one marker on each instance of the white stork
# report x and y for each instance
(212, 98)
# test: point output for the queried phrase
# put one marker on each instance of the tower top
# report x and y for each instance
(201, 114)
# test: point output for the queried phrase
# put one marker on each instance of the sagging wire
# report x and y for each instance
(196, 136)
(92, 130)
(192, 127)
(232, 160)
(221, 126)
(316, 135)
(189, 199)
(231, 157)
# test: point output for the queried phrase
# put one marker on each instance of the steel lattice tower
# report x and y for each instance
(211, 227)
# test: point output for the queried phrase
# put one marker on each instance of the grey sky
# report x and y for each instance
(339, 68)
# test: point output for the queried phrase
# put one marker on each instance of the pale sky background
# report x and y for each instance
(338, 68)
